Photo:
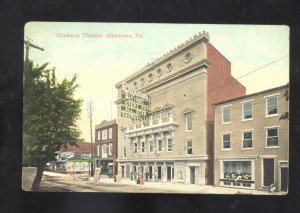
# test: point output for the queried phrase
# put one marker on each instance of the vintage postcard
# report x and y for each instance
(156, 108)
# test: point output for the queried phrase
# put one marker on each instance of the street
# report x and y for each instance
(57, 182)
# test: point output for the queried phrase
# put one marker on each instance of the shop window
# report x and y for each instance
(272, 105)
(159, 145)
(189, 147)
(247, 140)
(272, 137)
(237, 170)
(226, 141)
(170, 144)
(247, 111)
(189, 122)
(226, 114)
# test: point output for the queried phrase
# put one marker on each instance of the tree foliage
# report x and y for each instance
(50, 112)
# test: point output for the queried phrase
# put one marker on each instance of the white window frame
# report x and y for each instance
(98, 150)
(151, 142)
(272, 96)
(99, 135)
(223, 107)
(135, 147)
(168, 150)
(103, 149)
(272, 127)
(158, 146)
(226, 133)
(124, 152)
(124, 134)
(110, 133)
(243, 135)
(104, 134)
(110, 149)
(188, 116)
(142, 147)
(243, 116)
(187, 147)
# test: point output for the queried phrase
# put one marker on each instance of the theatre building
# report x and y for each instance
(252, 140)
(175, 142)
(105, 147)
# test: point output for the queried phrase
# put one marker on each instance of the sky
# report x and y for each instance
(101, 62)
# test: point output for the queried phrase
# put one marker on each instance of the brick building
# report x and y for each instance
(105, 147)
(175, 143)
(251, 141)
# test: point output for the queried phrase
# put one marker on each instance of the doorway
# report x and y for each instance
(268, 171)
(170, 173)
(150, 172)
(159, 172)
(284, 179)
(123, 171)
(192, 175)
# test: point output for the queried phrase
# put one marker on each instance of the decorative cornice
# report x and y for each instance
(171, 158)
(200, 36)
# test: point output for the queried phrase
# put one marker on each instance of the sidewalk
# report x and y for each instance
(191, 188)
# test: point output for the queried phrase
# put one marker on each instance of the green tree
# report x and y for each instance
(50, 112)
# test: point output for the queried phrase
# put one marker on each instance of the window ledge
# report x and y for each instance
(272, 147)
(226, 123)
(226, 149)
(273, 115)
(247, 148)
(188, 130)
(249, 119)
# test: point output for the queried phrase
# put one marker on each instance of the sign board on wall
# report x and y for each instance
(134, 104)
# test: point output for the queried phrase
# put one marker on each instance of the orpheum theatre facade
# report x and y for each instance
(173, 141)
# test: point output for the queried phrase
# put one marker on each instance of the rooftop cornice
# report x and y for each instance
(200, 36)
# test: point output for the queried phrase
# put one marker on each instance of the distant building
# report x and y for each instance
(73, 159)
(252, 141)
(105, 147)
(175, 143)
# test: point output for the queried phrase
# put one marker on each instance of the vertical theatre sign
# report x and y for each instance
(134, 104)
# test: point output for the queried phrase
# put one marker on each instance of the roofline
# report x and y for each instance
(253, 94)
(200, 36)
(107, 123)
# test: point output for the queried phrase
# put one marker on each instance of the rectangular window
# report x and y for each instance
(99, 135)
(143, 147)
(226, 114)
(124, 134)
(151, 147)
(189, 147)
(110, 133)
(247, 110)
(226, 141)
(189, 123)
(247, 140)
(170, 144)
(104, 149)
(272, 105)
(272, 137)
(159, 145)
(110, 149)
(104, 134)
(98, 150)
(135, 148)
(124, 152)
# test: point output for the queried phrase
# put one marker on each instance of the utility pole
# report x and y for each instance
(90, 115)
(28, 43)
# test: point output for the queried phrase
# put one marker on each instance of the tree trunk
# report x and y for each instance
(38, 177)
